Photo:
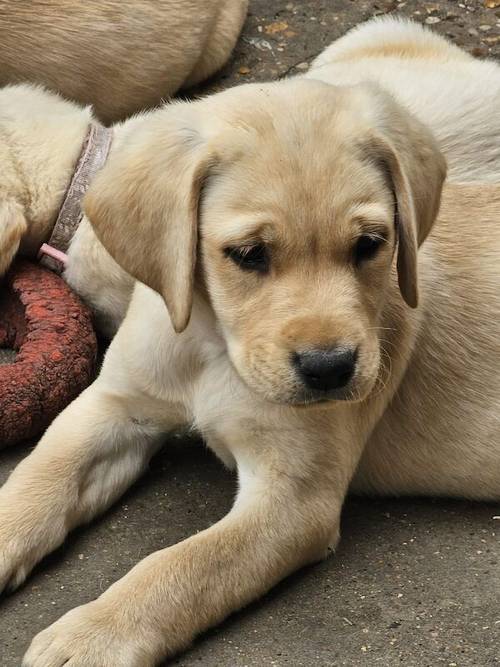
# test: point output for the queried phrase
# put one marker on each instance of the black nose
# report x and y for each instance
(327, 369)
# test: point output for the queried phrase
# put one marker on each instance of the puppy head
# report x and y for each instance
(292, 200)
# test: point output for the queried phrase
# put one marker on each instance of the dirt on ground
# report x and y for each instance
(282, 38)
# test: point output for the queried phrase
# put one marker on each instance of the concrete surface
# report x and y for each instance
(414, 582)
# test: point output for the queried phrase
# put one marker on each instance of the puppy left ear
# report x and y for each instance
(143, 205)
(417, 169)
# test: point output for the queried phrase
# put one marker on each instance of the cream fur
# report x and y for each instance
(41, 137)
(298, 163)
(120, 57)
(446, 88)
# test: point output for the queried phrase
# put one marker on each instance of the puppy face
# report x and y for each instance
(308, 190)
(296, 244)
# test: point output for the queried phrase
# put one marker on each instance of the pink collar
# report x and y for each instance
(95, 150)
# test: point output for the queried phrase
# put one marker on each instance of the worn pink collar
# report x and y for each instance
(95, 150)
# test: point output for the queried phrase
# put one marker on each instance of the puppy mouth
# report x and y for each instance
(306, 397)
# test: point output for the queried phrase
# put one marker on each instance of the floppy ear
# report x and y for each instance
(417, 169)
(143, 206)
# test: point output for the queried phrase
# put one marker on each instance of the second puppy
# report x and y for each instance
(42, 140)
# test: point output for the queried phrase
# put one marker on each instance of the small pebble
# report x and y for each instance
(432, 8)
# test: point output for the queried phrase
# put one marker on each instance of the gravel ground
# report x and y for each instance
(282, 37)
(414, 582)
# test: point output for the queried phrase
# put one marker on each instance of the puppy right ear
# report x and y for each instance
(12, 228)
(410, 156)
(143, 206)
(417, 171)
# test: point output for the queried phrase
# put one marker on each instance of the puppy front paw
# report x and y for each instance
(24, 541)
(18, 556)
(14, 567)
(89, 636)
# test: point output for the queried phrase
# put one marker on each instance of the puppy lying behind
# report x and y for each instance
(453, 93)
(120, 57)
(280, 223)
(42, 139)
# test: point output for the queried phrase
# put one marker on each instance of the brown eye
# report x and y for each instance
(250, 257)
(367, 247)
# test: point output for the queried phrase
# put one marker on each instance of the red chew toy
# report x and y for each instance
(51, 331)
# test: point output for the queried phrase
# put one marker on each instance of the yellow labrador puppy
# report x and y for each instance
(119, 56)
(301, 306)
(280, 223)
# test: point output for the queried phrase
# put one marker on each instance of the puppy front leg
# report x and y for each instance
(284, 517)
(87, 458)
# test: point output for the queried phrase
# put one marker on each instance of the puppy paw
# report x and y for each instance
(88, 636)
(17, 559)
(14, 568)
(24, 541)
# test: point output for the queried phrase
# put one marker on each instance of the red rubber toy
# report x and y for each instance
(51, 331)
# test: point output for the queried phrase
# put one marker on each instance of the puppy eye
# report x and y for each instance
(249, 257)
(367, 247)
